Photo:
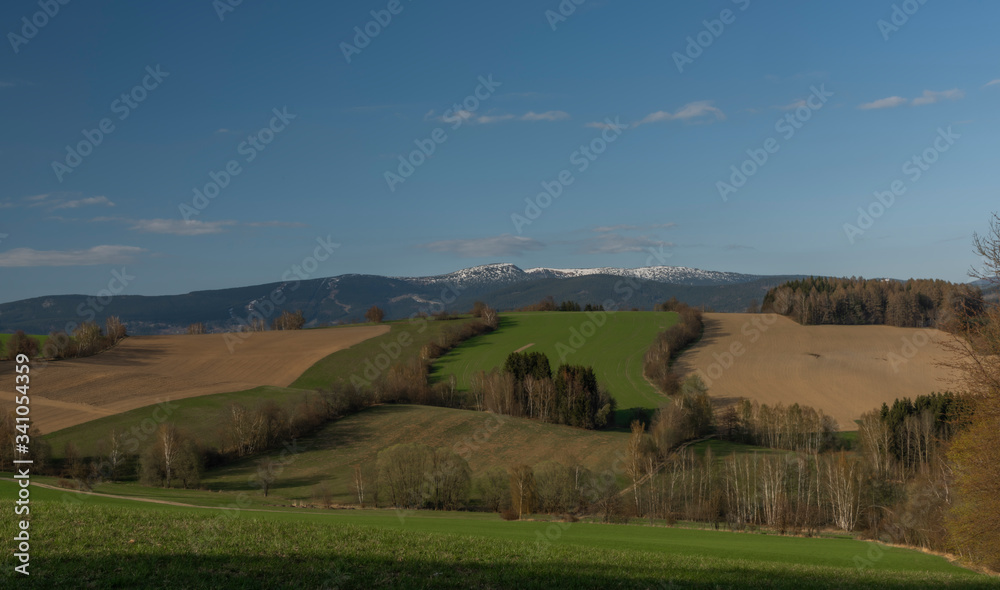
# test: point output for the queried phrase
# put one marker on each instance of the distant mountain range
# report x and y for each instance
(345, 298)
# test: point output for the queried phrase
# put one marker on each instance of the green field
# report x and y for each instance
(486, 440)
(4, 338)
(345, 363)
(89, 541)
(615, 350)
(200, 414)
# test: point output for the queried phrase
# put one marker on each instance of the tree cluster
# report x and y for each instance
(793, 428)
(854, 301)
(289, 321)
(526, 387)
(669, 344)
(417, 476)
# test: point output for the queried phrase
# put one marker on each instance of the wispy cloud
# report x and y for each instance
(546, 116)
(25, 257)
(54, 201)
(101, 200)
(615, 243)
(928, 97)
(883, 103)
(700, 110)
(992, 83)
(604, 125)
(496, 117)
(793, 105)
(502, 245)
(289, 224)
(627, 227)
(190, 227)
(176, 227)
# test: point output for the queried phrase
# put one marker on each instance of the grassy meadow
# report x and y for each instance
(615, 349)
(135, 544)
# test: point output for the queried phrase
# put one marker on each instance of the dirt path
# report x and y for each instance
(525, 347)
(143, 370)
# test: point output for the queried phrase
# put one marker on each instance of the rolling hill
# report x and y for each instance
(615, 349)
(144, 370)
(345, 298)
(843, 370)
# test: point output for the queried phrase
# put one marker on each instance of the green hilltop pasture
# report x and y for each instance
(614, 344)
(4, 338)
(90, 541)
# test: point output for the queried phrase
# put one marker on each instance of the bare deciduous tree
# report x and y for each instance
(374, 314)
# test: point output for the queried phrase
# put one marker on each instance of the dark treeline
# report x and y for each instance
(793, 428)
(549, 304)
(527, 387)
(670, 343)
(415, 476)
(907, 477)
(87, 339)
(909, 304)
(915, 426)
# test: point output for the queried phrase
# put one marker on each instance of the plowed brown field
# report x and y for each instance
(143, 370)
(842, 370)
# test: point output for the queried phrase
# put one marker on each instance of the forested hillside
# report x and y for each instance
(905, 304)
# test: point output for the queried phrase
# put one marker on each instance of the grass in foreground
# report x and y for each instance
(615, 350)
(113, 543)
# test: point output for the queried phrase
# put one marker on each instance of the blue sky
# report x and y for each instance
(838, 104)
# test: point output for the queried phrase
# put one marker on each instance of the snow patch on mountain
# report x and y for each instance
(677, 275)
(506, 273)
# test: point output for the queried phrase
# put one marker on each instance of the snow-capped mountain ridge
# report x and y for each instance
(506, 273)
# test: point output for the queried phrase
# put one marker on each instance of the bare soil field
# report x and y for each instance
(144, 370)
(842, 370)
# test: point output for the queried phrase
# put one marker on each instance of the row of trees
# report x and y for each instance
(793, 428)
(87, 339)
(657, 364)
(789, 492)
(914, 303)
(416, 476)
(549, 304)
(526, 387)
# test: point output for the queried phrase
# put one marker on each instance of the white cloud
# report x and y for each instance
(191, 227)
(794, 105)
(275, 224)
(613, 243)
(502, 245)
(992, 83)
(603, 125)
(487, 119)
(179, 227)
(626, 227)
(883, 103)
(26, 257)
(102, 200)
(471, 117)
(546, 116)
(701, 109)
(930, 97)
